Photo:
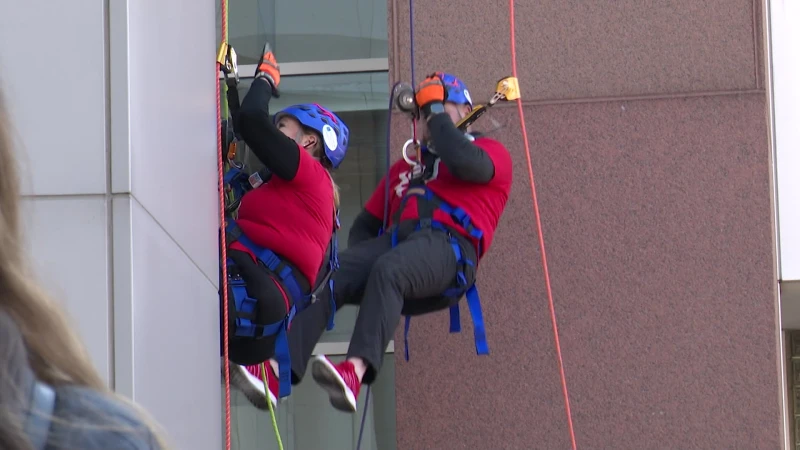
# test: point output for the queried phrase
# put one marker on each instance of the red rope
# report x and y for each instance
(539, 230)
(221, 188)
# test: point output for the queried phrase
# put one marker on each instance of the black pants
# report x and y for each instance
(262, 285)
(387, 283)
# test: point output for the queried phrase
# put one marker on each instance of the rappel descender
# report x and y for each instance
(226, 58)
(507, 90)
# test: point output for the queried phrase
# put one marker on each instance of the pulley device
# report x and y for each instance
(507, 89)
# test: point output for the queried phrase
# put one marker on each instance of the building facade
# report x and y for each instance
(664, 144)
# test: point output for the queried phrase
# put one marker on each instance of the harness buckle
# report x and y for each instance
(233, 273)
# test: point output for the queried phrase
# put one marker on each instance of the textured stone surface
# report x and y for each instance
(579, 49)
(656, 217)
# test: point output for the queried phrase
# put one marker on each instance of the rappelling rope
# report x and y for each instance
(222, 108)
(386, 180)
(224, 250)
(388, 166)
(539, 229)
(382, 230)
(271, 408)
(411, 63)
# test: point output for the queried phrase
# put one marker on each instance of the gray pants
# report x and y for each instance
(386, 283)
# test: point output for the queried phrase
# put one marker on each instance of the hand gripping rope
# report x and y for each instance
(227, 64)
(507, 89)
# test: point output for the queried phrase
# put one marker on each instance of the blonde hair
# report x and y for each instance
(319, 152)
(335, 192)
(56, 354)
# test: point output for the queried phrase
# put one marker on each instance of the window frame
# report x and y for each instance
(339, 348)
(323, 67)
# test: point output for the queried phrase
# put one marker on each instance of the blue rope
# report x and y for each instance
(411, 36)
(386, 191)
(363, 418)
(383, 228)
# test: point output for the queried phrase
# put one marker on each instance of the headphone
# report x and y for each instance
(40, 413)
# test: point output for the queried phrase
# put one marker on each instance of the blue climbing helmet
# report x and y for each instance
(457, 91)
(334, 132)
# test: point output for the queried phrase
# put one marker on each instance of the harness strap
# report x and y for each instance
(427, 203)
(234, 105)
(425, 209)
(238, 180)
(245, 310)
(333, 265)
(274, 263)
(282, 355)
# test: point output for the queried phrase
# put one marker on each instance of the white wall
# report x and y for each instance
(60, 126)
(785, 42)
(120, 179)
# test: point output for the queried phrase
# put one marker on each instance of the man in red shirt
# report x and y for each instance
(441, 221)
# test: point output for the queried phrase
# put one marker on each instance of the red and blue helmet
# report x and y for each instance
(334, 132)
(457, 91)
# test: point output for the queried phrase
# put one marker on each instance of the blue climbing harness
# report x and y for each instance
(240, 183)
(427, 202)
(244, 311)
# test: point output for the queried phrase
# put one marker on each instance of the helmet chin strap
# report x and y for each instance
(300, 137)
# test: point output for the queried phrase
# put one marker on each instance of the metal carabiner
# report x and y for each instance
(409, 143)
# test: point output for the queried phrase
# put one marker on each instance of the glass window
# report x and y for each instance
(357, 177)
(308, 30)
(338, 92)
(306, 419)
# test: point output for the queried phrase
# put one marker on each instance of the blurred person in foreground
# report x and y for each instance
(51, 396)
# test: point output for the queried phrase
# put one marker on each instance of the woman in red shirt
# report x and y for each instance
(293, 215)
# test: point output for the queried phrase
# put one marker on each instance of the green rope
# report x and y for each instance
(269, 403)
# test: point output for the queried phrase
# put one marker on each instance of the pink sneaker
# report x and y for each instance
(248, 380)
(339, 381)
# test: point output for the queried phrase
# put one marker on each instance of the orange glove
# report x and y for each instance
(269, 69)
(431, 90)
